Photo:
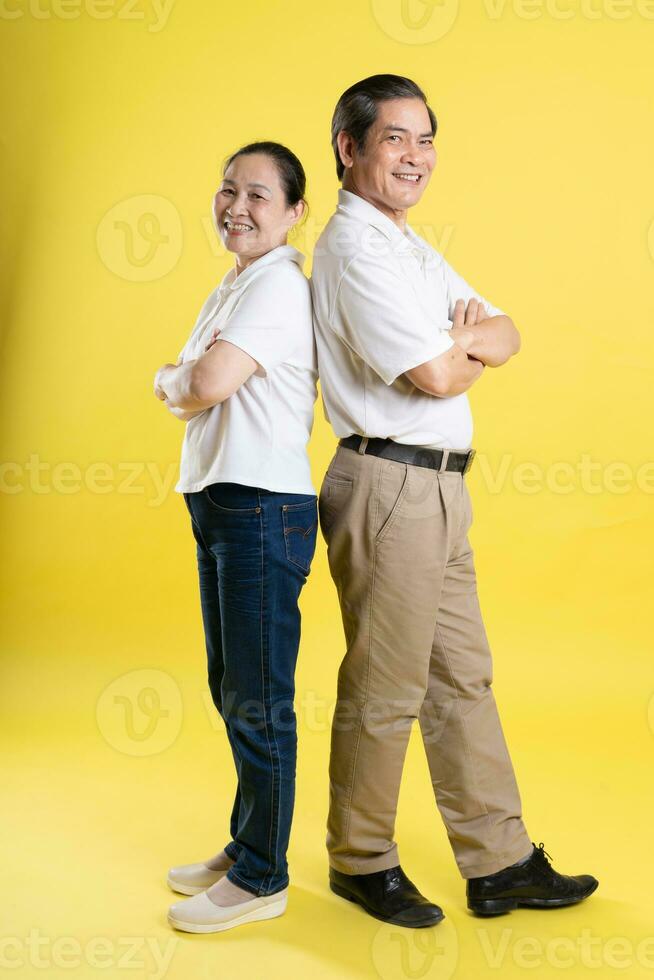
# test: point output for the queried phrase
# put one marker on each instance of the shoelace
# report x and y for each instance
(541, 855)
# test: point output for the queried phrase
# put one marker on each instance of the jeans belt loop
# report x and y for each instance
(446, 456)
(362, 445)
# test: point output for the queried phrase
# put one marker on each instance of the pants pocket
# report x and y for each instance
(300, 523)
(392, 490)
(335, 493)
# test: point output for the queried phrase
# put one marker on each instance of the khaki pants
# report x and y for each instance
(399, 555)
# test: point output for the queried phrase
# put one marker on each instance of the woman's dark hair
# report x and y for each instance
(356, 110)
(290, 170)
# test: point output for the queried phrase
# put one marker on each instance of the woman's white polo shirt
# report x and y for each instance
(258, 436)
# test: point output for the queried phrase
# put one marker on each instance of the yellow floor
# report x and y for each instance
(102, 797)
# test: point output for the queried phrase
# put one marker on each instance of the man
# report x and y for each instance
(400, 339)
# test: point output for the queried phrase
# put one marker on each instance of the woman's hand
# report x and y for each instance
(160, 380)
(214, 338)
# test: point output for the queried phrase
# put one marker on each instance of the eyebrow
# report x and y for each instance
(226, 180)
(401, 129)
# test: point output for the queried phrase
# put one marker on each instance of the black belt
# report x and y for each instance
(417, 455)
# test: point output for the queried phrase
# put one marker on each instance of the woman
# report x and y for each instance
(245, 383)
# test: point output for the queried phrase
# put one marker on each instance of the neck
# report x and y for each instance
(241, 262)
(398, 216)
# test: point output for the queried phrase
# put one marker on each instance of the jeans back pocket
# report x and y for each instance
(300, 530)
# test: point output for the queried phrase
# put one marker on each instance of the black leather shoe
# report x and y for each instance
(388, 895)
(534, 884)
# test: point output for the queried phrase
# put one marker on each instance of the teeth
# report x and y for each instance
(234, 227)
(414, 178)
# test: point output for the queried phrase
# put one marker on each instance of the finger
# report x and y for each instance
(481, 313)
(459, 313)
(471, 312)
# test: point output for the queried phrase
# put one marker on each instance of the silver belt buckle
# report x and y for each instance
(468, 463)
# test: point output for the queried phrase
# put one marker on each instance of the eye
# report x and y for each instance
(226, 190)
(259, 197)
(394, 137)
(429, 141)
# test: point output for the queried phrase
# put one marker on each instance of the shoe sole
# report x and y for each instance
(498, 906)
(270, 911)
(419, 924)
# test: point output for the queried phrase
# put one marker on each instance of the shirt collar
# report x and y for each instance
(402, 243)
(231, 282)
(365, 211)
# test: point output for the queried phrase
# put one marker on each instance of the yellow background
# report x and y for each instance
(118, 118)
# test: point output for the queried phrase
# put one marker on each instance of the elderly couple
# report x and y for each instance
(398, 338)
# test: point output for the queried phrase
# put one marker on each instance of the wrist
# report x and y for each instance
(463, 337)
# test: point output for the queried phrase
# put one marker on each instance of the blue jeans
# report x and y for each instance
(254, 550)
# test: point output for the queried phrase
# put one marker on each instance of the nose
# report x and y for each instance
(238, 205)
(413, 156)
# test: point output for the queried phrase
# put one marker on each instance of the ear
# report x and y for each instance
(296, 212)
(345, 145)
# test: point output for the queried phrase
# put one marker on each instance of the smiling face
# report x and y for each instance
(250, 209)
(394, 168)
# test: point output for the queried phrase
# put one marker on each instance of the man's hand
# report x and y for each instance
(489, 339)
(464, 319)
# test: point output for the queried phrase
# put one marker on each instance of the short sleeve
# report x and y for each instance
(380, 318)
(207, 307)
(271, 317)
(458, 288)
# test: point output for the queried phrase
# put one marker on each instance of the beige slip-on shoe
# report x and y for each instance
(190, 879)
(200, 914)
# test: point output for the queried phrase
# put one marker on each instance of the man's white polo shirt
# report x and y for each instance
(259, 435)
(383, 302)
